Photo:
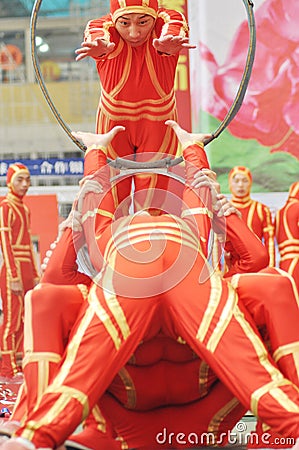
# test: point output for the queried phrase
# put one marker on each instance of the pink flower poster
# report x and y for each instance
(264, 135)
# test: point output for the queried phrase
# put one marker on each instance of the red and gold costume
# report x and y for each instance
(137, 91)
(256, 215)
(18, 265)
(138, 302)
(287, 233)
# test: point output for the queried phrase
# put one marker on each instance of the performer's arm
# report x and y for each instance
(247, 253)
(174, 34)
(61, 261)
(6, 225)
(197, 206)
(202, 199)
(97, 208)
(61, 264)
(98, 41)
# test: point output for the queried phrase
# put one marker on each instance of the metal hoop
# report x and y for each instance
(226, 121)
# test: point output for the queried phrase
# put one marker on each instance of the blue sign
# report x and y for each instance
(50, 167)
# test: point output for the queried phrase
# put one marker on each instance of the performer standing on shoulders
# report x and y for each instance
(136, 49)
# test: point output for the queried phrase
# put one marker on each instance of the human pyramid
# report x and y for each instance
(154, 347)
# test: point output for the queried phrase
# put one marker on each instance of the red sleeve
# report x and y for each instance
(168, 22)
(287, 222)
(6, 225)
(269, 234)
(172, 23)
(94, 221)
(98, 28)
(98, 209)
(197, 205)
(247, 252)
(62, 267)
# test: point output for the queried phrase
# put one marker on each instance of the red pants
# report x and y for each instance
(13, 310)
(154, 377)
(274, 304)
(154, 374)
(204, 422)
(153, 359)
(111, 326)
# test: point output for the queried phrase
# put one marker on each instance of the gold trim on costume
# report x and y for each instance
(67, 394)
(125, 75)
(291, 349)
(277, 379)
(28, 332)
(203, 378)
(214, 301)
(194, 211)
(224, 319)
(104, 317)
(129, 387)
(292, 281)
(151, 68)
(129, 233)
(97, 211)
(218, 418)
(283, 399)
(40, 356)
(99, 418)
(111, 299)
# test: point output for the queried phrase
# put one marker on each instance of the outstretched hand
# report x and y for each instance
(101, 140)
(95, 49)
(171, 44)
(184, 137)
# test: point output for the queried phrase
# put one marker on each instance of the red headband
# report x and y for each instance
(122, 7)
(242, 170)
(14, 170)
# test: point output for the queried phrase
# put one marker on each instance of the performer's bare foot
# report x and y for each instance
(184, 136)
(13, 444)
(16, 444)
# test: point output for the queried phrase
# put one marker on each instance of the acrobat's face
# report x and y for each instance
(240, 185)
(135, 29)
(21, 184)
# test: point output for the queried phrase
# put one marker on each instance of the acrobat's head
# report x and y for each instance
(119, 8)
(240, 181)
(18, 179)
